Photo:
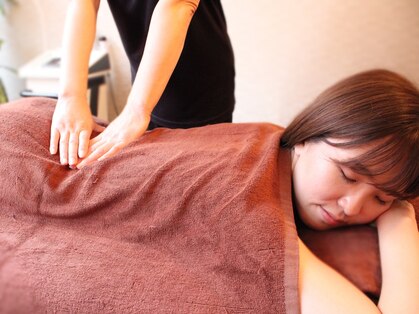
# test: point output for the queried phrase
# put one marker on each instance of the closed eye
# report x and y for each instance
(380, 201)
(383, 202)
(345, 177)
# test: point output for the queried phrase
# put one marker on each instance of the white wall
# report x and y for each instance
(286, 51)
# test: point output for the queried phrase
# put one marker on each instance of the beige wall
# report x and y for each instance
(286, 51)
(289, 51)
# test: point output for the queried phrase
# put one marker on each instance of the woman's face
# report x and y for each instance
(328, 195)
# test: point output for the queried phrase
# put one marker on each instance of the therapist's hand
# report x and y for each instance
(126, 128)
(72, 125)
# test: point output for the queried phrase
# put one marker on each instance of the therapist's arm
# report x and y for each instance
(166, 37)
(72, 121)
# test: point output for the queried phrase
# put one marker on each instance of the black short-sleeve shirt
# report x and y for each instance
(201, 88)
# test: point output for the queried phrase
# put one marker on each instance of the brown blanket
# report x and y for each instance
(195, 220)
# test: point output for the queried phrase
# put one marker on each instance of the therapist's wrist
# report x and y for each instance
(66, 94)
(138, 108)
(136, 112)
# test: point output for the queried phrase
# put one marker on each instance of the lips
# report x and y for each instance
(329, 219)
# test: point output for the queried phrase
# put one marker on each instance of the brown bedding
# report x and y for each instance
(193, 220)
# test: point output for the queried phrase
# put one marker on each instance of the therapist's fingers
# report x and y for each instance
(54, 138)
(96, 140)
(113, 151)
(73, 147)
(64, 138)
(84, 138)
(94, 155)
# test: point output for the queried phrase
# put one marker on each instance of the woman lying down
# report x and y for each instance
(355, 154)
(196, 220)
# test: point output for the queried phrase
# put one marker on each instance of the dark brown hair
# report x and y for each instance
(375, 107)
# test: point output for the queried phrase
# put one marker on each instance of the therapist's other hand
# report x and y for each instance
(126, 128)
(71, 127)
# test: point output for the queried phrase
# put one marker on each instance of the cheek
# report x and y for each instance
(373, 210)
(319, 182)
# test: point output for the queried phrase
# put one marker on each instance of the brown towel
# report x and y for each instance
(196, 221)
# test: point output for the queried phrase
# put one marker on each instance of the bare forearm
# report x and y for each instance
(399, 251)
(79, 34)
(165, 41)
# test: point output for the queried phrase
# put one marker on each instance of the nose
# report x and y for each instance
(351, 204)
